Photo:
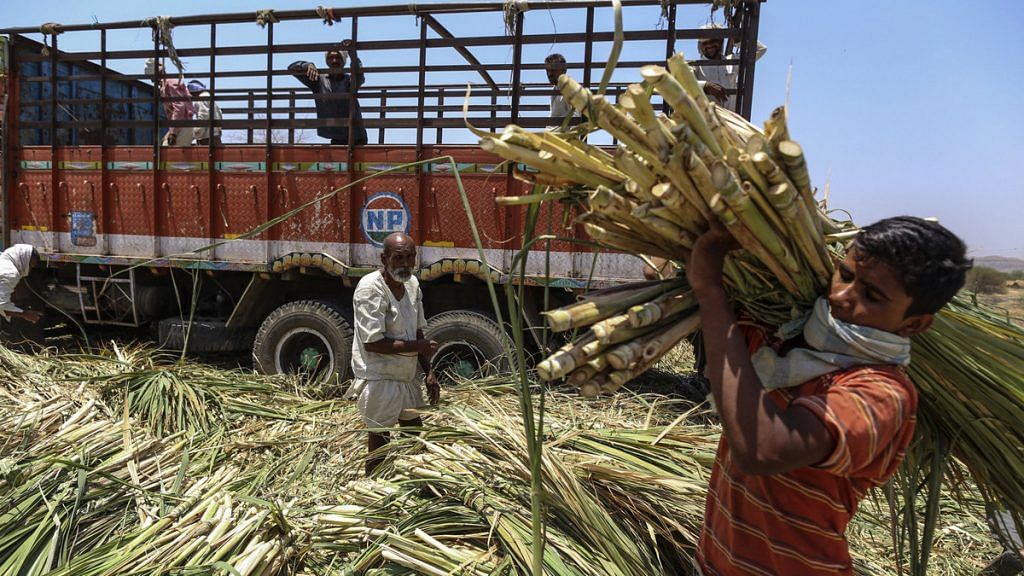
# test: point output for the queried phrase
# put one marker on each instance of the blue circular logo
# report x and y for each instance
(383, 214)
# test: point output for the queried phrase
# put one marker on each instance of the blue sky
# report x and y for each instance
(903, 107)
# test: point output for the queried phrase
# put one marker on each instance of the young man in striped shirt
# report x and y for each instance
(811, 424)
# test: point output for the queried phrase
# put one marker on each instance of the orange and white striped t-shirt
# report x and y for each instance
(795, 523)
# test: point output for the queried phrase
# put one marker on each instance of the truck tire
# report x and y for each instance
(308, 337)
(470, 345)
(204, 336)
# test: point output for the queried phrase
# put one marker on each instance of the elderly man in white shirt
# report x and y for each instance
(15, 263)
(389, 347)
(716, 79)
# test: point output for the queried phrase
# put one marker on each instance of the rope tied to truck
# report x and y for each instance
(512, 10)
(49, 29)
(414, 10)
(327, 14)
(264, 17)
(163, 34)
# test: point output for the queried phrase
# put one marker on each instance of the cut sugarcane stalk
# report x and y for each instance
(783, 198)
(620, 241)
(636, 168)
(638, 104)
(688, 214)
(745, 209)
(664, 306)
(776, 129)
(684, 108)
(607, 116)
(793, 158)
(683, 74)
(603, 304)
(751, 243)
(548, 165)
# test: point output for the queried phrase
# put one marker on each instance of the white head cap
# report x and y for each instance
(152, 66)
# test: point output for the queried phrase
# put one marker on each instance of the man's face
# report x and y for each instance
(399, 261)
(555, 70)
(711, 49)
(334, 59)
(870, 293)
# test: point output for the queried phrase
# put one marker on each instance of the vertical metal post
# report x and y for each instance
(213, 92)
(104, 197)
(53, 98)
(353, 96)
(291, 116)
(517, 66)
(156, 218)
(268, 180)
(512, 217)
(588, 47)
(440, 114)
(211, 173)
(748, 58)
(421, 95)
(383, 114)
(670, 43)
(270, 90)
(252, 117)
(494, 110)
(420, 104)
(54, 149)
(103, 91)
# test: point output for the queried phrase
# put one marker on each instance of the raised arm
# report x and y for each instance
(763, 438)
(306, 72)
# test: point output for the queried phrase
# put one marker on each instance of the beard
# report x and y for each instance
(402, 274)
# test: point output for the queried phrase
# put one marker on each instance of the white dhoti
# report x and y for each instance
(382, 403)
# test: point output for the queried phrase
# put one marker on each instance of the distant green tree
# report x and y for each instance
(1016, 274)
(985, 280)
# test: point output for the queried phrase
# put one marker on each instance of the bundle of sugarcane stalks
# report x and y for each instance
(654, 195)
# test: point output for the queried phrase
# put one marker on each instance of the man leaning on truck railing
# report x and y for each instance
(179, 109)
(334, 82)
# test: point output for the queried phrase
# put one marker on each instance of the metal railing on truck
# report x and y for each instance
(70, 101)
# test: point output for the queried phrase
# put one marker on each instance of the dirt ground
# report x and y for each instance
(1011, 303)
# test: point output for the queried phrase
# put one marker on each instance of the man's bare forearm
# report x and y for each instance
(392, 346)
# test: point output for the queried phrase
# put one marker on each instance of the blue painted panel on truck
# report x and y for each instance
(80, 90)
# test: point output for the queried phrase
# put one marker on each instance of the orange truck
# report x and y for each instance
(256, 242)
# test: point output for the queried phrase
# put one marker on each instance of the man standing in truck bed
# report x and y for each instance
(338, 84)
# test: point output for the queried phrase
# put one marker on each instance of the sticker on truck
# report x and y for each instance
(383, 214)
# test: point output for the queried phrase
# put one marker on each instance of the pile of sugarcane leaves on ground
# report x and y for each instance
(125, 462)
(669, 174)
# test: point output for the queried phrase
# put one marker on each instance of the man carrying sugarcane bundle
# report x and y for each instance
(809, 426)
(389, 346)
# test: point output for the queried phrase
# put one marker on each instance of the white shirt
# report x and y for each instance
(15, 264)
(560, 110)
(379, 315)
(726, 75)
(203, 113)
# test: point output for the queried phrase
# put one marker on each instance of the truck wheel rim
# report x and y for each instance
(307, 352)
(459, 360)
